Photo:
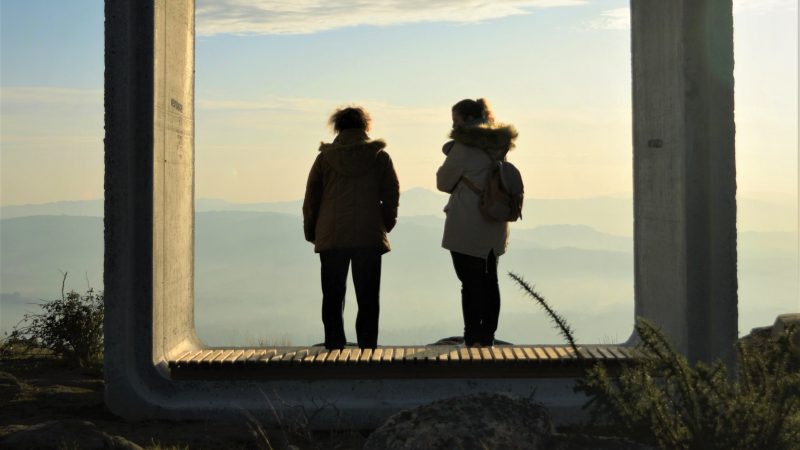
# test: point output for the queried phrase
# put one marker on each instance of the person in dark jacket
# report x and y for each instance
(350, 205)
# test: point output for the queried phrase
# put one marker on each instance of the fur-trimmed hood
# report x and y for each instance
(352, 153)
(495, 138)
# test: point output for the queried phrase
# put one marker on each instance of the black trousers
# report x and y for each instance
(480, 296)
(367, 281)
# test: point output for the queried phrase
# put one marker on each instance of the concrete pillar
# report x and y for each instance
(149, 190)
(684, 173)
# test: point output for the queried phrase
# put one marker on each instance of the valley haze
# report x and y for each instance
(257, 280)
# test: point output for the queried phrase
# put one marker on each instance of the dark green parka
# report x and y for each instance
(352, 194)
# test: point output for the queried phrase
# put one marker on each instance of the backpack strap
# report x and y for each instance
(471, 185)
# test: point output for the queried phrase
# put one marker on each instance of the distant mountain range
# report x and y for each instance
(257, 279)
(613, 215)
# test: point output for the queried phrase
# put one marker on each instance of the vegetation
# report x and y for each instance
(561, 324)
(662, 400)
(70, 326)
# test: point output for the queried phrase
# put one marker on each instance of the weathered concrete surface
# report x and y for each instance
(149, 184)
(684, 206)
(684, 173)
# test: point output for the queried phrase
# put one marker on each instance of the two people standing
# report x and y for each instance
(351, 201)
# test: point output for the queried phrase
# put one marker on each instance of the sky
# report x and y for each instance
(270, 72)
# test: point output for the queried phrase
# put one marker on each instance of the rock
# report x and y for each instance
(71, 433)
(10, 387)
(584, 442)
(474, 422)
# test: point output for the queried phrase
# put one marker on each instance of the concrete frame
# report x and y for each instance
(684, 208)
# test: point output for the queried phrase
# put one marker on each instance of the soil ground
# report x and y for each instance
(37, 388)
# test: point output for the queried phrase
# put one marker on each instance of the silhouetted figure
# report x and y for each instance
(475, 242)
(350, 205)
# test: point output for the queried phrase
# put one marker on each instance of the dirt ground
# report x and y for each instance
(38, 389)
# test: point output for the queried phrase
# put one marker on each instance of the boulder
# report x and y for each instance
(70, 433)
(473, 422)
(10, 387)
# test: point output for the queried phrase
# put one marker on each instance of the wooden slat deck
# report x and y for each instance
(502, 361)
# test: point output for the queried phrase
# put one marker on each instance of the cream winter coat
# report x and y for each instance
(468, 155)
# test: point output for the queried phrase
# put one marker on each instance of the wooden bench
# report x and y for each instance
(440, 361)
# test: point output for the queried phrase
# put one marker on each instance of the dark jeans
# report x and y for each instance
(480, 296)
(367, 281)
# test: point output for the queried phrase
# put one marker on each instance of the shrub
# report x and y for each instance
(70, 326)
(663, 400)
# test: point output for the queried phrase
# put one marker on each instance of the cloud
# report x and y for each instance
(610, 19)
(763, 6)
(245, 17)
(248, 112)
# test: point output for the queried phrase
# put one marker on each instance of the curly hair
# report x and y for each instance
(471, 110)
(350, 117)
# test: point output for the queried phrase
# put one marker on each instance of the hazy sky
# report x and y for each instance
(270, 72)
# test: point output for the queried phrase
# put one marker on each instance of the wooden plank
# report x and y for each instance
(183, 355)
(221, 356)
(322, 356)
(243, 356)
(366, 355)
(333, 355)
(531, 354)
(541, 354)
(234, 356)
(607, 354)
(616, 351)
(388, 355)
(519, 354)
(188, 356)
(463, 354)
(475, 355)
(563, 352)
(445, 355)
(377, 356)
(453, 355)
(497, 354)
(310, 355)
(399, 353)
(299, 355)
(259, 356)
(199, 358)
(508, 354)
(265, 356)
(582, 352)
(551, 352)
(343, 355)
(355, 354)
(275, 358)
(409, 354)
(597, 355)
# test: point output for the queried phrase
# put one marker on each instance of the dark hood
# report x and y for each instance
(496, 139)
(352, 153)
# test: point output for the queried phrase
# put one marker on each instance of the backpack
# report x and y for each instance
(501, 201)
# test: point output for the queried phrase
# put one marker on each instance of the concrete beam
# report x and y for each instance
(684, 173)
